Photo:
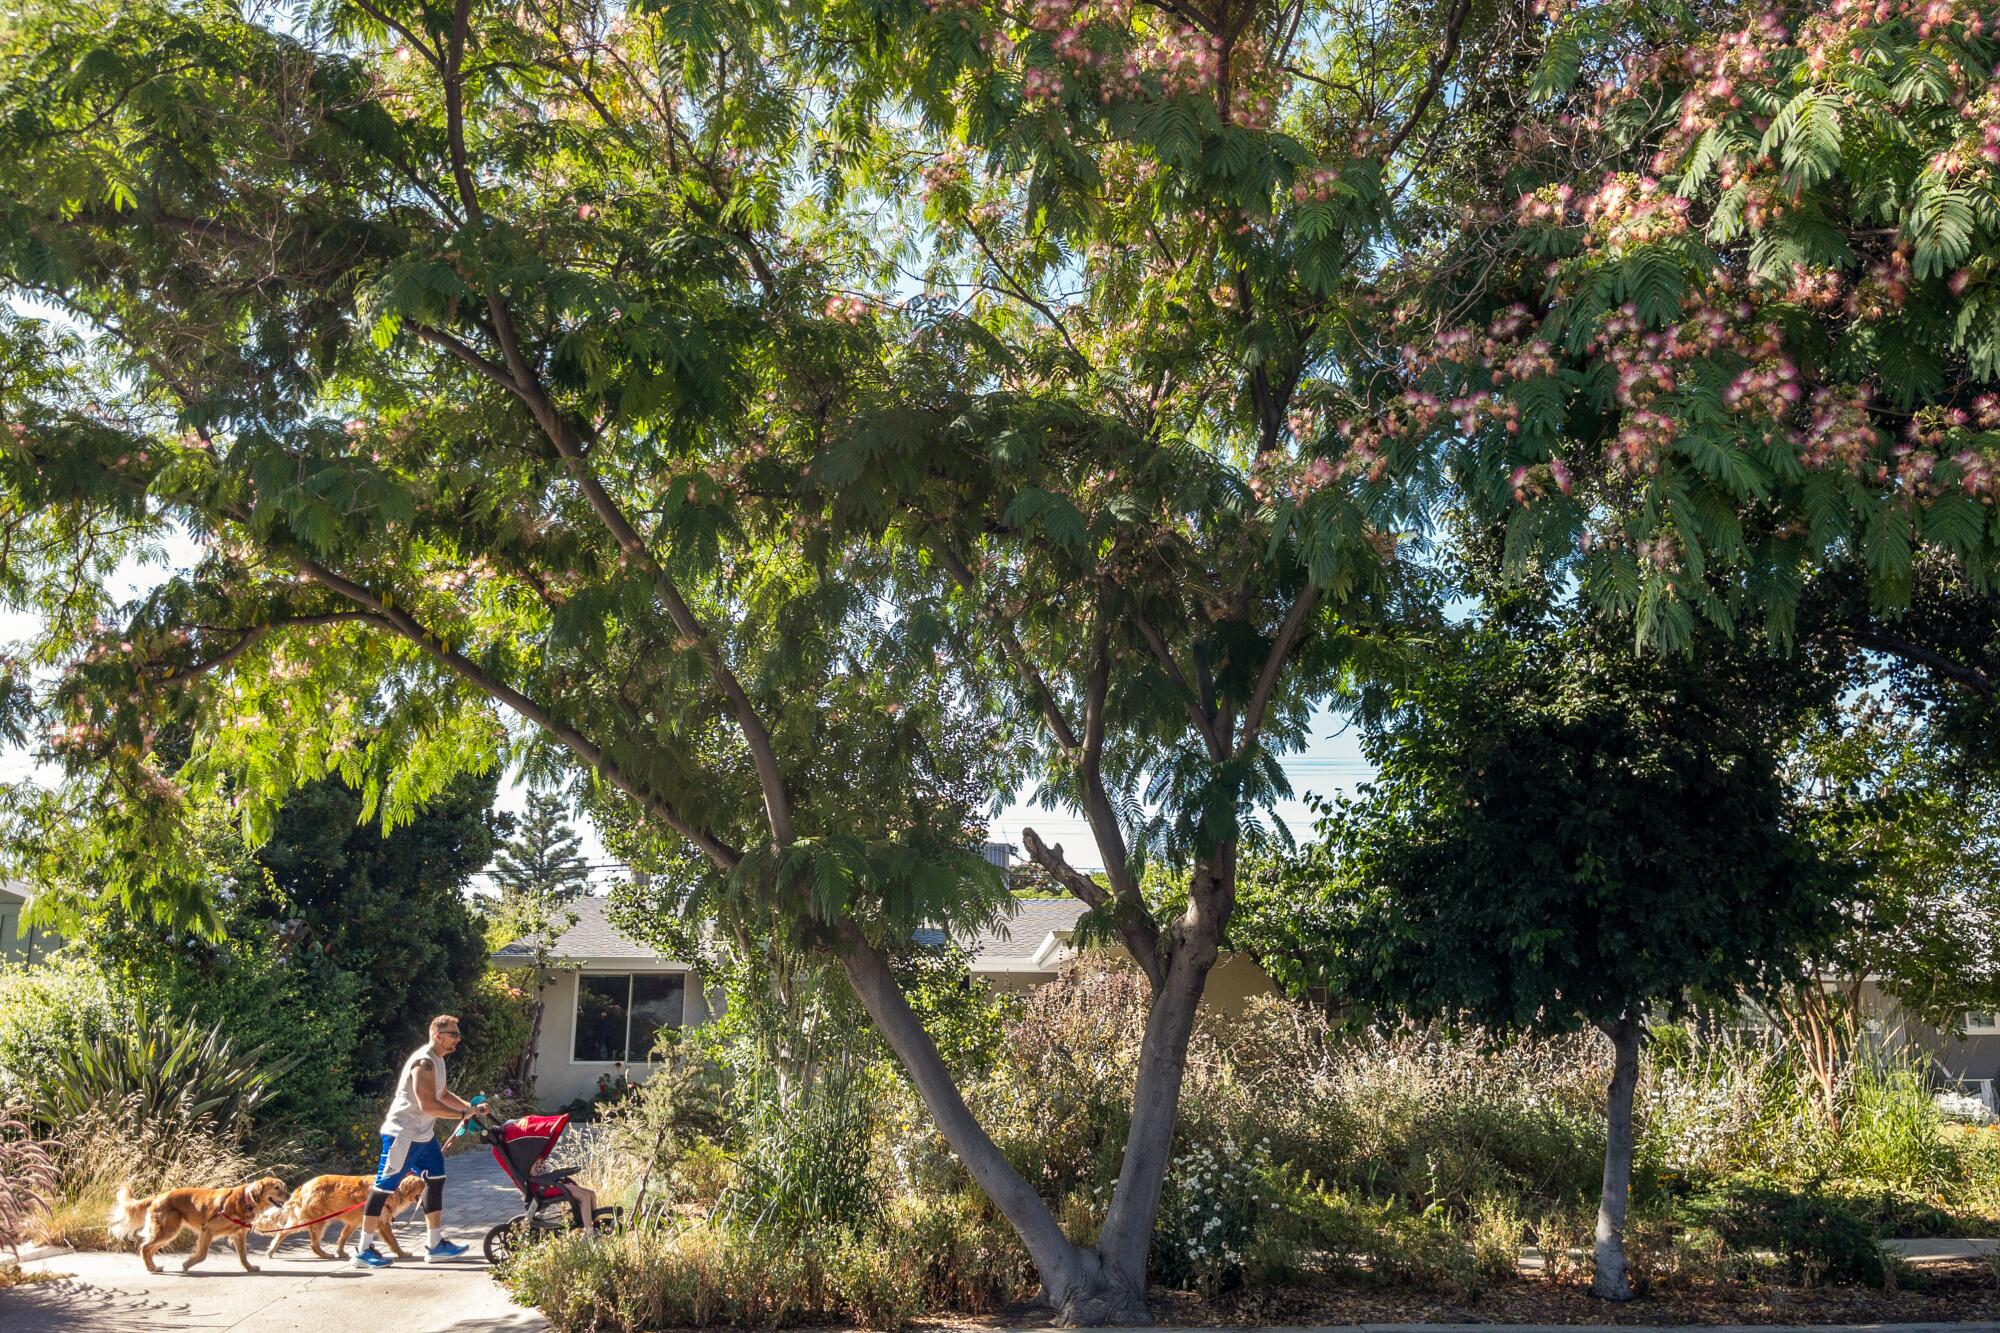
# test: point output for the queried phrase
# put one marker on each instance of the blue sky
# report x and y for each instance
(1331, 763)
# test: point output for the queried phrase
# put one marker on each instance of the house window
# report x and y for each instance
(618, 1016)
(1982, 1024)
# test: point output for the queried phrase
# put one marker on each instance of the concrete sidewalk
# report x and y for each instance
(1942, 1250)
(113, 1292)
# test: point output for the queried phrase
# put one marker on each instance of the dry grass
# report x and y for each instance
(13, 1275)
(103, 1150)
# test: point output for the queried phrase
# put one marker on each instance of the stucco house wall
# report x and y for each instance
(18, 945)
(1018, 954)
(561, 1078)
(593, 948)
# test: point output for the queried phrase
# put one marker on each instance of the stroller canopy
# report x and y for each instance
(523, 1143)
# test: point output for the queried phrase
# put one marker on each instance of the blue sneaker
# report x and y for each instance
(367, 1258)
(441, 1251)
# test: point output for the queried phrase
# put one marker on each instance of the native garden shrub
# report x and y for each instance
(495, 1016)
(1815, 1237)
(1309, 1152)
(48, 1010)
(116, 1143)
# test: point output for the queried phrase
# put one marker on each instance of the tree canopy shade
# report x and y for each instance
(810, 419)
(1562, 834)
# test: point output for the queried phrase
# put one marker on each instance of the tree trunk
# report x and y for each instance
(1073, 1280)
(1127, 1236)
(1086, 1287)
(1611, 1279)
(524, 1066)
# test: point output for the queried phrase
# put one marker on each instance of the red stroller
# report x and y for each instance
(520, 1147)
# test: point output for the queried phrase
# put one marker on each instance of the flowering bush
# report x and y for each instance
(1753, 300)
(1727, 1101)
(1209, 1213)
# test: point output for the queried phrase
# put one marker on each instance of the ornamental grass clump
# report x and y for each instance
(1308, 1153)
(956, 1255)
(1892, 1132)
(1725, 1101)
(27, 1178)
(105, 1147)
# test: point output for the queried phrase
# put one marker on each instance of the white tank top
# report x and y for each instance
(406, 1119)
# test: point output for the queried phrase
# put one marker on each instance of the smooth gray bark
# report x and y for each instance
(1072, 1277)
(1127, 1236)
(1087, 1287)
(1611, 1279)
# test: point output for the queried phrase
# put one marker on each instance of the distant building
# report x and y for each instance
(18, 945)
(603, 1010)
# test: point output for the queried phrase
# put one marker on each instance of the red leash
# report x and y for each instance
(293, 1226)
(301, 1226)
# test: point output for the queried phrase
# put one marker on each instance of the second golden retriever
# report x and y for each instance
(325, 1201)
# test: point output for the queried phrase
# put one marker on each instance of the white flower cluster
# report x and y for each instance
(1208, 1208)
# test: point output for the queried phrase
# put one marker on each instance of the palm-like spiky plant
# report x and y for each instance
(162, 1068)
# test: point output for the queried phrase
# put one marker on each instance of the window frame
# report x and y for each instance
(1989, 1028)
(576, 1015)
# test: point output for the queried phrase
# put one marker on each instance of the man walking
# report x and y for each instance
(410, 1146)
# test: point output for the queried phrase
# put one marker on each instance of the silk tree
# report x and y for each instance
(512, 398)
(773, 412)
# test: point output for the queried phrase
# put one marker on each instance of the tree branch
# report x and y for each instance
(1013, 287)
(249, 635)
(466, 353)
(401, 622)
(1097, 807)
(756, 736)
(1202, 721)
(1453, 26)
(1138, 931)
(1274, 666)
(1896, 645)
(1010, 643)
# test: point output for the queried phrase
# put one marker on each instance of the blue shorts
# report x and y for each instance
(402, 1158)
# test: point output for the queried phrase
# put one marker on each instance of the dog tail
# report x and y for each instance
(128, 1215)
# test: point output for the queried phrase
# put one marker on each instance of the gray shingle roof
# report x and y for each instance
(1016, 939)
(1011, 943)
(593, 936)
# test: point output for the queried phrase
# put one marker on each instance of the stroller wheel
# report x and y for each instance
(608, 1220)
(509, 1239)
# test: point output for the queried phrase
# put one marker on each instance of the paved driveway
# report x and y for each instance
(113, 1293)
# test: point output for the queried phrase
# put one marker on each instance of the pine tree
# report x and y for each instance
(541, 862)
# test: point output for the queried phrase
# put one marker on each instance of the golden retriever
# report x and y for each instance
(208, 1213)
(337, 1200)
